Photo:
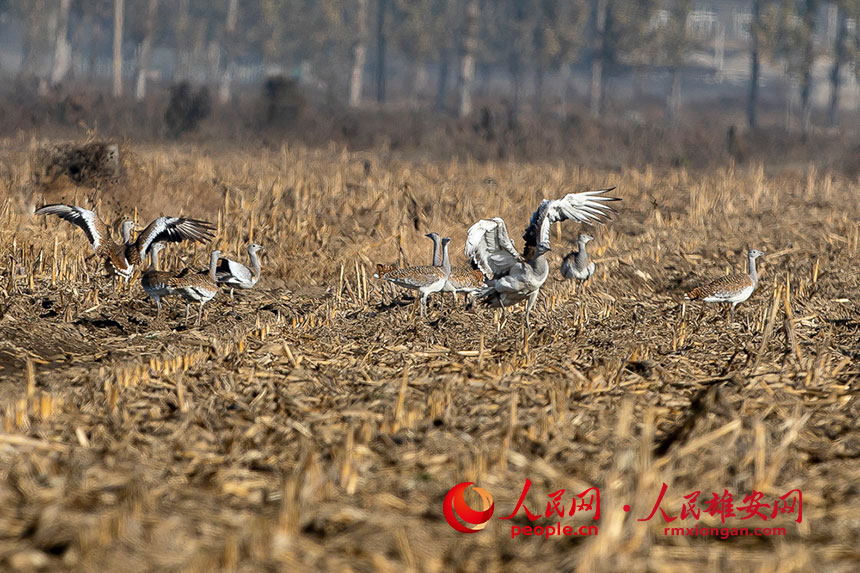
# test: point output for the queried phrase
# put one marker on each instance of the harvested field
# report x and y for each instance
(317, 422)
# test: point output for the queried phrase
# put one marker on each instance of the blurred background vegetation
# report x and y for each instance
(617, 82)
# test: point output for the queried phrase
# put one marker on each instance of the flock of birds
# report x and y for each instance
(499, 276)
(121, 259)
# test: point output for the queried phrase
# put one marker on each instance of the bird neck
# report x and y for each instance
(446, 261)
(126, 235)
(153, 264)
(539, 264)
(255, 264)
(581, 256)
(752, 270)
(213, 264)
(437, 252)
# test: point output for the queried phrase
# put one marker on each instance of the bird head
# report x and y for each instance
(755, 253)
(434, 236)
(255, 247)
(542, 248)
(585, 238)
(126, 228)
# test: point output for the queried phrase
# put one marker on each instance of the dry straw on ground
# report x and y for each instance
(317, 422)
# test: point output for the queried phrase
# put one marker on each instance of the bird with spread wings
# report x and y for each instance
(121, 259)
(513, 277)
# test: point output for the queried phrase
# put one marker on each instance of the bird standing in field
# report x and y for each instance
(576, 264)
(120, 260)
(237, 275)
(462, 279)
(512, 277)
(733, 289)
(426, 280)
(196, 287)
(155, 282)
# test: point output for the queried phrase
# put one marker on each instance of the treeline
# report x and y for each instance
(348, 48)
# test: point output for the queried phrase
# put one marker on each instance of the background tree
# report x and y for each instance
(118, 18)
(359, 57)
(469, 47)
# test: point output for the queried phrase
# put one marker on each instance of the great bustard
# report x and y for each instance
(426, 280)
(196, 287)
(733, 289)
(576, 264)
(121, 259)
(154, 281)
(237, 275)
(512, 277)
(462, 279)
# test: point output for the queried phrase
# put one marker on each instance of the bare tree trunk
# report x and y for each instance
(62, 49)
(380, 50)
(359, 56)
(442, 85)
(467, 58)
(673, 98)
(838, 56)
(539, 77)
(564, 89)
(808, 59)
(224, 86)
(599, 51)
(119, 6)
(145, 51)
(752, 102)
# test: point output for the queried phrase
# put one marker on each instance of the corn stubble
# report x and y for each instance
(317, 421)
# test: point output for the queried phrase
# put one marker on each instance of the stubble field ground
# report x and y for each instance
(317, 422)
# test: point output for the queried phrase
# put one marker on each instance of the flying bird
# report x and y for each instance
(513, 277)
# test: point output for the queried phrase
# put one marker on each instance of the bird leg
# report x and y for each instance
(200, 314)
(424, 305)
(158, 304)
(529, 304)
(187, 310)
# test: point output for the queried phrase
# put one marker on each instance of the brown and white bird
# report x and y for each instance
(733, 289)
(576, 264)
(196, 287)
(462, 279)
(237, 275)
(156, 282)
(512, 277)
(426, 280)
(120, 259)
(98, 234)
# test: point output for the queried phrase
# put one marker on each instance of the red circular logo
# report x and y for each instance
(457, 512)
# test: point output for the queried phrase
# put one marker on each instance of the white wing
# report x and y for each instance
(230, 271)
(586, 207)
(489, 246)
(87, 220)
(174, 229)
